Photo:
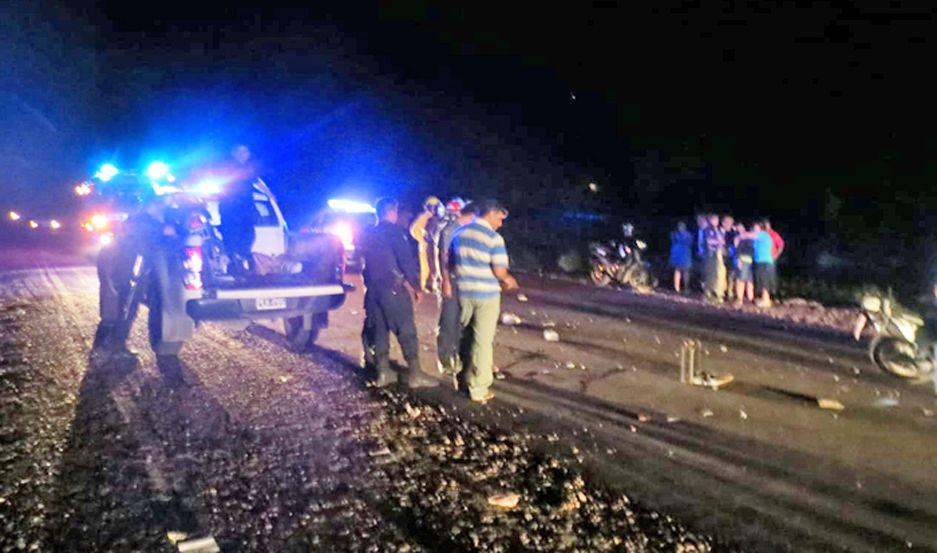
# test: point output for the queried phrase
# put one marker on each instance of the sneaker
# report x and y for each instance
(762, 304)
(489, 395)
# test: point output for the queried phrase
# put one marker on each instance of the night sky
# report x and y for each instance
(818, 114)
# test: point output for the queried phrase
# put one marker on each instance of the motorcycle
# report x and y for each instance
(900, 347)
(621, 262)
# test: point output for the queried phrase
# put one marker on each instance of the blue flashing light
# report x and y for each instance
(208, 187)
(106, 172)
(157, 170)
(350, 206)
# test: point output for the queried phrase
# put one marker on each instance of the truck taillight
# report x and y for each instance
(192, 263)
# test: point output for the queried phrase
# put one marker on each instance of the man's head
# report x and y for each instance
(728, 222)
(240, 153)
(387, 210)
(493, 212)
(701, 220)
(757, 226)
(681, 226)
(766, 224)
(467, 214)
(713, 220)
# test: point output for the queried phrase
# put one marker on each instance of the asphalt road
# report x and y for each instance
(757, 464)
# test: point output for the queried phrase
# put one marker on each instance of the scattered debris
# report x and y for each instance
(633, 428)
(174, 537)
(723, 348)
(414, 412)
(743, 415)
(830, 404)
(643, 418)
(927, 412)
(522, 298)
(504, 500)
(510, 319)
(886, 401)
(671, 418)
(201, 545)
(706, 413)
(570, 365)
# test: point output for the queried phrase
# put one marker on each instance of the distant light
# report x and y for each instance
(83, 189)
(344, 233)
(33, 224)
(14, 216)
(157, 170)
(105, 239)
(88, 227)
(593, 187)
(208, 187)
(99, 221)
(55, 225)
(351, 206)
(106, 172)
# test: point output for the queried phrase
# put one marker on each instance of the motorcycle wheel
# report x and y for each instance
(896, 357)
(599, 276)
(637, 277)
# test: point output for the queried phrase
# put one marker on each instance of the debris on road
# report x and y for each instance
(723, 348)
(743, 415)
(551, 335)
(176, 537)
(706, 413)
(201, 545)
(504, 500)
(522, 298)
(510, 319)
(672, 419)
(643, 418)
(886, 401)
(830, 404)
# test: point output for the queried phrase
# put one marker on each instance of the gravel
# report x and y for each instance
(265, 450)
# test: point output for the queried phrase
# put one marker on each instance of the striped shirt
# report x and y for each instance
(476, 250)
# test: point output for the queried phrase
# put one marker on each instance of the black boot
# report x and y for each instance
(415, 376)
(385, 376)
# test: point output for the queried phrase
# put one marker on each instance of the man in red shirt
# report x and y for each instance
(777, 243)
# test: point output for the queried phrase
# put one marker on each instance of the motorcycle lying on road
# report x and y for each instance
(900, 346)
(620, 262)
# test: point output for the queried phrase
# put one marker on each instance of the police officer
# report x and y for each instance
(391, 275)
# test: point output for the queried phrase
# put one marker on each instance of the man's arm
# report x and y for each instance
(405, 259)
(499, 265)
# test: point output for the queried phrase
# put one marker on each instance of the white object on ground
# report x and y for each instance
(551, 335)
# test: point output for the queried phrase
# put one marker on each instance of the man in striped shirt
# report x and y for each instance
(479, 262)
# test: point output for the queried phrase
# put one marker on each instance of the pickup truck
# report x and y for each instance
(169, 254)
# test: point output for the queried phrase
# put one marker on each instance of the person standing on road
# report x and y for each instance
(728, 230)
(713, 265)
(479, 260)
(742, 269)
(422, 230)
(681, 257)
(777, 243)
(763, 258)
(449, 333)
(391, 275)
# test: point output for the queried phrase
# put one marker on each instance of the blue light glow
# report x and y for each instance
(106, 172)
(157, 170)
(350, 206)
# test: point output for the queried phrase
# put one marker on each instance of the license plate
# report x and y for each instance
(265, 304)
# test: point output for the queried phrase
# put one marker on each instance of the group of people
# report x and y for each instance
(462, 256)
(736, 263)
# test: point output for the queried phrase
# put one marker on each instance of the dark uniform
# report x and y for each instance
(388, 263)
(449, 333)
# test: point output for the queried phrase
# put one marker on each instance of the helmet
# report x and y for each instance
(431, 201)
(455, 205)
(627, 229)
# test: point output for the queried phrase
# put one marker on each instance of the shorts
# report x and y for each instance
(765, 277)
(743, 272)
